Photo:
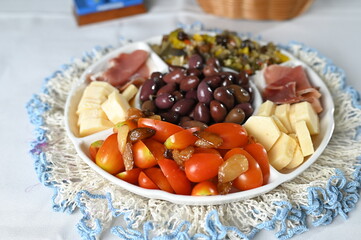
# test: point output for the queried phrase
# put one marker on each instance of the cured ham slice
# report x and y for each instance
(281, 94)
(142, 72)
(137, 78)
(125, 66)
(290, 85)
(277, 74)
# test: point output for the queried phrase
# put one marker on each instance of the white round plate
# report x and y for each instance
(156, 64)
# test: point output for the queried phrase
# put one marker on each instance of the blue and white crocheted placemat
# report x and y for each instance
(330, 187)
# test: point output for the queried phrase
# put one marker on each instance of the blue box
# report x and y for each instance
(83, 7)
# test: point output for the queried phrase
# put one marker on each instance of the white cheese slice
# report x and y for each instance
(304, 111)
(116, 107)
(279, 124)
(87, 104)
(304, 138)
(266, 109)
(93, 125)
(106, 86)
(292, 117)
(130, 92)
(297, 158)
(91, 113)
(281, 154)
(263, 129)
(282, 112)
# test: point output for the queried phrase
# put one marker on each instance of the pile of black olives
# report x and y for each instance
(202, 92)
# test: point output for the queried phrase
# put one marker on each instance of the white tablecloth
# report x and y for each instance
(37, 37)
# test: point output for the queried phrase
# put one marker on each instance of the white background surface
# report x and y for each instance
(37, 37)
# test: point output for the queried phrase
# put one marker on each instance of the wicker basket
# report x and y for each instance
(256, 9)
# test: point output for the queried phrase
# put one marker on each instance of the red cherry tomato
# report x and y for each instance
(143, 158)
(206, 150)
(181, 139)
(175, 176)
(250, 179)
(132, 124)
(163, 129)
(259, 153)
(94, 148)
(155, 147)
(145, 182)
(205, 188)
(108, 157)
(130, 176)
(233, 135)
(202, 166)
(157, 176)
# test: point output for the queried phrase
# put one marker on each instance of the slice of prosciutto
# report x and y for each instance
(290, 85)
(281, 93)
(125, 67)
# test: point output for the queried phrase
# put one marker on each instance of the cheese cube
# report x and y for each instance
(297, 158)
(106, 86)
(282, 152)
(93, 125)
(266, 109)
(96, 92)
(282, 112)
(91, 113)
(304, 111)
(304, 138)
(130, 92)
(263, 129)
(279, 124)
(292, 117)
(116, 107)
(86, 104)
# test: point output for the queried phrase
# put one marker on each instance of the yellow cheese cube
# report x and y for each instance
(282, 112)
(281, 154)
(292, 117)
(96, 92)
(86, 104)
(304, 111)
(263, 129)
(297, 158)
(93, 125)
(91, 113)
(304, 138)
(116, 107)
(130, 92)
(266, 109)
(106, 86)
(279, 124)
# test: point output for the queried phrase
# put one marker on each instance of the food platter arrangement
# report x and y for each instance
(199, 118)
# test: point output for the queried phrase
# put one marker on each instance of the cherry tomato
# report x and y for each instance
(181, 139)
(163, 129)
(233, 135)
(222, 151)
(250, 179)
(143, 157)
(157, 176)
(94, 148)
(132, 124)
(206, 150)
(175, 176)
(259, 153)
(202, 166)
(205, 188)
(155, 147)
(145, 182)
(108, 157)
(130, 176)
